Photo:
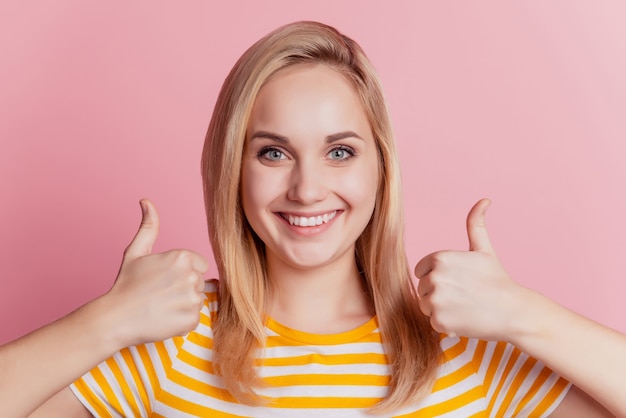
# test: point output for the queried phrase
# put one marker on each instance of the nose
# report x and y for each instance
(307, 183)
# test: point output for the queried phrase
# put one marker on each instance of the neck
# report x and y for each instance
(322, 300)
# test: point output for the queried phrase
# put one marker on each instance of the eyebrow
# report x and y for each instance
(284, 140)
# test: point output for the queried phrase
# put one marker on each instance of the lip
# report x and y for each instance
(309, 230)
(309, 214)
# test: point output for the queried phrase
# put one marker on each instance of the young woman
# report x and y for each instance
(315, 312)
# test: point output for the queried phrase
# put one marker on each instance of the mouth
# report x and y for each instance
(309, 221)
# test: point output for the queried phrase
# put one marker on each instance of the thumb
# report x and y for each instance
(476, 228)
(148, 231)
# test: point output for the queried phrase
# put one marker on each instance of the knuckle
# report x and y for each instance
(436, 277)
(177, 256)
(127, 252)
(437, 299)
(191, 280)
(195, 299)
(422, 288)
(436, 324)
(188, 322)
(440, 259)
(182, 256)
(193, 321)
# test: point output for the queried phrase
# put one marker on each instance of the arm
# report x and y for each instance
(155, 297)
(589, 355)
(469, 293)
(42, 363)
(578, 404)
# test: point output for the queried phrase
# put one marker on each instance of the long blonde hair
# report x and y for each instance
(410, 343)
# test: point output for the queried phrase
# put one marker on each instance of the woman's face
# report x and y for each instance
(310, 168)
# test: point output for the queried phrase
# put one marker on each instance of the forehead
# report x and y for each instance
(308, 97)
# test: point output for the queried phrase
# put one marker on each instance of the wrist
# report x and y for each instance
(526, 320)
(107, 328)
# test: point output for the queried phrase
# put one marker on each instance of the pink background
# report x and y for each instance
(523, 102)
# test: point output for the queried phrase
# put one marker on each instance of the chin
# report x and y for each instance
(310, 259)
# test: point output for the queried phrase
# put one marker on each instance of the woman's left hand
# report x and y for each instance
(468, 292)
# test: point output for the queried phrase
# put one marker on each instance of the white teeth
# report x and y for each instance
(311, 221)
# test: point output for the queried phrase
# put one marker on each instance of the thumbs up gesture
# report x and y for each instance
(156, 296)
(468, 292)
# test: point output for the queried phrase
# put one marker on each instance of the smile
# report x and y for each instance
(305, 221)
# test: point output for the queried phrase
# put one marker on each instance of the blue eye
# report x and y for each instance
(271, 154)
(341, 153)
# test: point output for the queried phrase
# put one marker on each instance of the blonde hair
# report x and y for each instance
(410, 343)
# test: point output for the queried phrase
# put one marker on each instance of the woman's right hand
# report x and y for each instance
(155, 296)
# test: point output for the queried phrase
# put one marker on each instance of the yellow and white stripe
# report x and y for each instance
(309, 375)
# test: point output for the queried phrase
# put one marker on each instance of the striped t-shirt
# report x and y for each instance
(310, 375)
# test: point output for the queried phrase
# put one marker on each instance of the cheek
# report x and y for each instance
(360, 186)
(259, 187)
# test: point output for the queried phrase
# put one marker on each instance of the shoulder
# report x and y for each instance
(454, 347)
(476, 356)
(461, 349)
(515, 383)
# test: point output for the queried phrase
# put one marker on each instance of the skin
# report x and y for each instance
(310, 153)
(469, 293)
(156, 296)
